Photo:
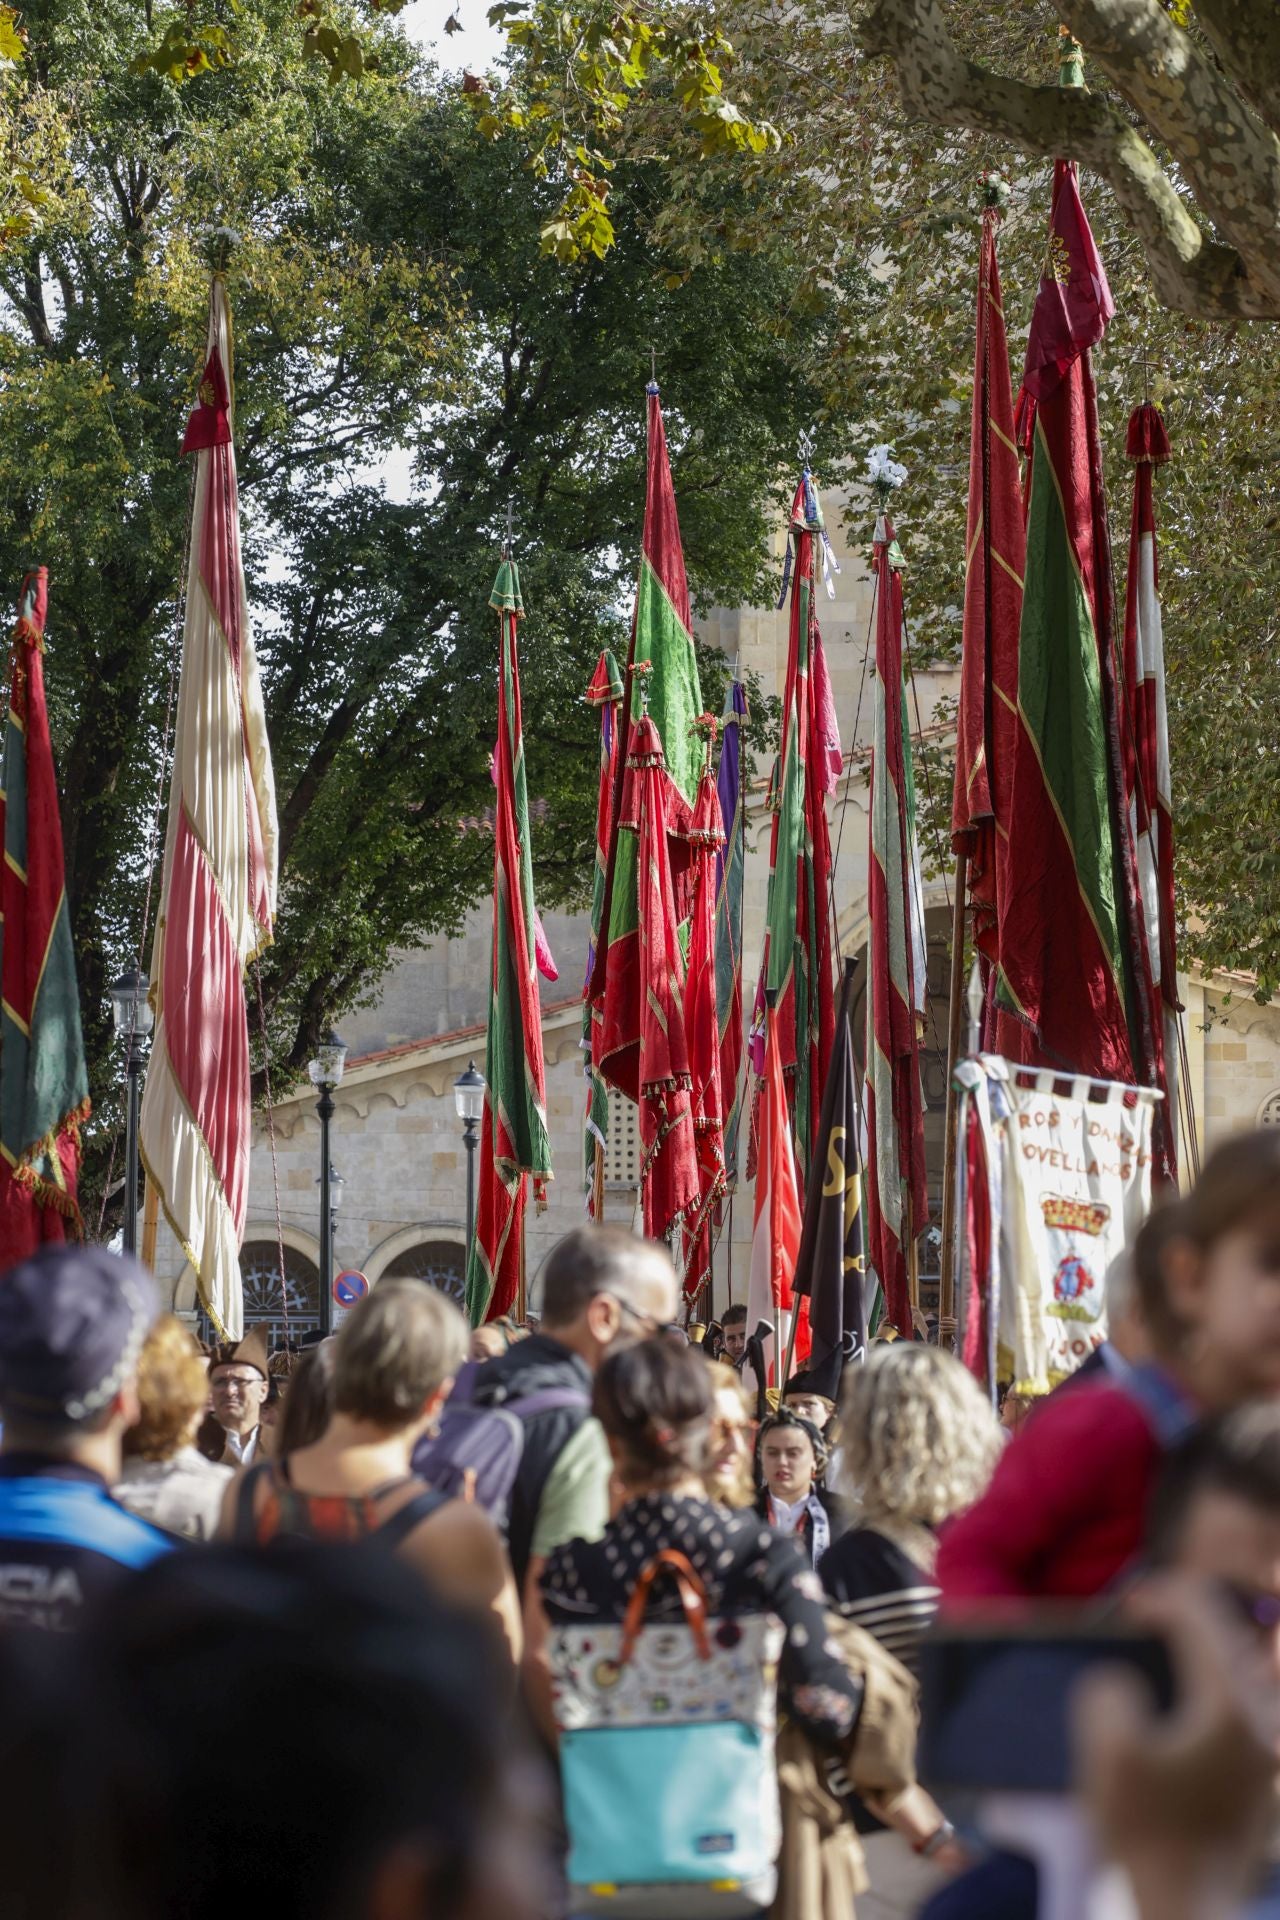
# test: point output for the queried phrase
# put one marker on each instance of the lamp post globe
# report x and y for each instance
(325, 1073)
(132, 1018)
(468, 1101)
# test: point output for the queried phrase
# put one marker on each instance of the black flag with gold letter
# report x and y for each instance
(831, 1266)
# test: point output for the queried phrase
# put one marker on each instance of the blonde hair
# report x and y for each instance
(919, 1440)
(732, 1486)
(172, 1390)
(396, 1349)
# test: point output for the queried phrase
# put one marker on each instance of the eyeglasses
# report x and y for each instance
(649, 1327)
(226, 1380)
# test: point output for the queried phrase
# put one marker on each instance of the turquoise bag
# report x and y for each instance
(667, 1758)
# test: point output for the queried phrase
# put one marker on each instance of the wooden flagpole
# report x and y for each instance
(150, 1223)
(521, 1289)
(947, 1286)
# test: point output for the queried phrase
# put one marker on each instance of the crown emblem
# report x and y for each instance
(1075, 1216)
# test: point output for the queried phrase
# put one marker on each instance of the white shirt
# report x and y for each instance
(240, 1447)
(784, 1518)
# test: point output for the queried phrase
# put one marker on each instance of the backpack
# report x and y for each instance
(475, 1452)
(667, 1758)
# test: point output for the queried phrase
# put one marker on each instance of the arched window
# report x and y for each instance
(266, 1304)
(441, 1263)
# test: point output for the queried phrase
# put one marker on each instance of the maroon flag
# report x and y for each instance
(637, 980)
(995, 550)
(701, 1023)
(1074, 303)
(897, 1200)
(653, 813)
(1073, 966)
(514, 1141)
(796, 971)
(1147, 744)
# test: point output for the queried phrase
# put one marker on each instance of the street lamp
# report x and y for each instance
(336, 1184)
(468, 1100)
(133, 1020)
(325, 1073)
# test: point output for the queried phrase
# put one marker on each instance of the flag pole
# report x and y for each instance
(521, 1287)
(150, 1224)
(947, 1285)
(913, 1259)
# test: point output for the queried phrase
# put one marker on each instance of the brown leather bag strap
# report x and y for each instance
(693, 1598)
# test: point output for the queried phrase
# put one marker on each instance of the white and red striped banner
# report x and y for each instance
(219, 886)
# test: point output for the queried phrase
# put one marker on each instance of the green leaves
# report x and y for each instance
(582, 71)
(181, 54)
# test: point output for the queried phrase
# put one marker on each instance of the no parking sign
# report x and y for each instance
(349, 1288)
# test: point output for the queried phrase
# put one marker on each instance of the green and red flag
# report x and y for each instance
(44, 1087)
(995, 542)
(1147, 738)
(897, 1201)
(730, 863)
(604, 693)
(795, 976)
(656, 819)
(1073, 964)
(701, 1024)
(638, 956)
(514, 1143)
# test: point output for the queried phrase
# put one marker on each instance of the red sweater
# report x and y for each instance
(1066, 1509)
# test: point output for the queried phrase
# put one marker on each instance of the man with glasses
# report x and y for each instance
(601, 1287)
(238, 1382)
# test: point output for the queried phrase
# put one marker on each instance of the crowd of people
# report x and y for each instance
(559, 1620)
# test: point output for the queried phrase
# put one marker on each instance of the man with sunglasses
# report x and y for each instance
(602, 1287)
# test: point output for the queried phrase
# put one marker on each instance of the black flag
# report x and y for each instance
(831, 1266)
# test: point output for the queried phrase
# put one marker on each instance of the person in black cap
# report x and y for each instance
(72, 1323)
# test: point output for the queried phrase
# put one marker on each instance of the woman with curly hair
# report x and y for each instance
(165, 1478)
(919, 1443)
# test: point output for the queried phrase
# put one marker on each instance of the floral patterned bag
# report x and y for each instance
(667, 1757)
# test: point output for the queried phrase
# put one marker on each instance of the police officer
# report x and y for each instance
(72, 1323)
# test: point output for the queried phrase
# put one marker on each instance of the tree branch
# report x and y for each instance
(1230, 159)
(1192, 273)
(1245, 35)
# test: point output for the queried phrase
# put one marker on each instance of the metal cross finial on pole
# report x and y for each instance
(511, 527)
(805, 445)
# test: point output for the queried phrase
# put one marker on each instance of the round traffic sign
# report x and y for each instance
(349, 1287)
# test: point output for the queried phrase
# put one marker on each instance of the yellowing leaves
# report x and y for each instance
(12, 41)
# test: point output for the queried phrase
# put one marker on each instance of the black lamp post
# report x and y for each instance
(325, 1073)
(468, 1099)
(336, 1184)
(133, 1020)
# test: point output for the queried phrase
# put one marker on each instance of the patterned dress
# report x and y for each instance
(747, 1570)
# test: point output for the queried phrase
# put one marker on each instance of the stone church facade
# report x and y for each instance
(397, 1143)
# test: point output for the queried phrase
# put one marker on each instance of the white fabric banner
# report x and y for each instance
(1074, 1160)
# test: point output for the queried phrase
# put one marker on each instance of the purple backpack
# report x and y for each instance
(475, 1452)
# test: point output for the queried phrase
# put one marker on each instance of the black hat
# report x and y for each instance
(72, 1323)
